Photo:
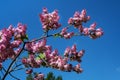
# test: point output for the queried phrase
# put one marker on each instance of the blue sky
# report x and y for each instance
(102, 58)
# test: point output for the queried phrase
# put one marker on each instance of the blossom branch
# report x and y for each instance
(7, 71)
(38, 52)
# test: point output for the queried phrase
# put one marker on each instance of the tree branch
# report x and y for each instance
(11, 75)
(12, 63)
(7, 71)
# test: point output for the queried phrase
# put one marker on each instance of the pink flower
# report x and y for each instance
(29, 71)
(73, 49)
(92, 26)
(45, 10)
(48, 48)
(17, 51)
(77, 68)
(69, 35)
(70, 21)
(67, 67)
(77, 14)
(86, 31)
(67, 51)
(83, 15)
(36, 47)
(39, 62)
(31, 57)
(65, 34)
(11, 29)
(49, 20)
(28, 46)
(60, 65)
(21, 28)
(96, 33)
(80, 27)
(99, 32)
(64, 31)
(42, 43)
(78, 18)
(24, 60)
(80, 53)
(16, 43)
(20, 31)
(55, 52)
(7, 34)
(40, 76)
(2, 48)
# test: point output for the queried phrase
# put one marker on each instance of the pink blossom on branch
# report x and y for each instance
(10, 41)
(78, 18)
(20, 31)
(53, 59)
(36, 47)
(49, 20)
(65, 34)
(77, 68)
(77, 21)
(39, 53)
(92, 32)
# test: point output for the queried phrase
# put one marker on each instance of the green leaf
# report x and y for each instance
(40, 56)
(56, 35)
(37, 58)
(26, 37)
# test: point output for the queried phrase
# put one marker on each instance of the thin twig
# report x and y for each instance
(40, 38)
(11, 75)
(17, 69)
(17, 66)
(14, 77)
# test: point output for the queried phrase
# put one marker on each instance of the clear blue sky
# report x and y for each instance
(102, 58)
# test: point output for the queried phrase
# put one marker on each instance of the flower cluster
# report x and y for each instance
(41, 54)
(31, 61)
(65, 34)
(78, 18)
(92, 32)
(73, 54)
(77, 21)
(49, 20)
(36, 47)
(50, 58)
(10, 40)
